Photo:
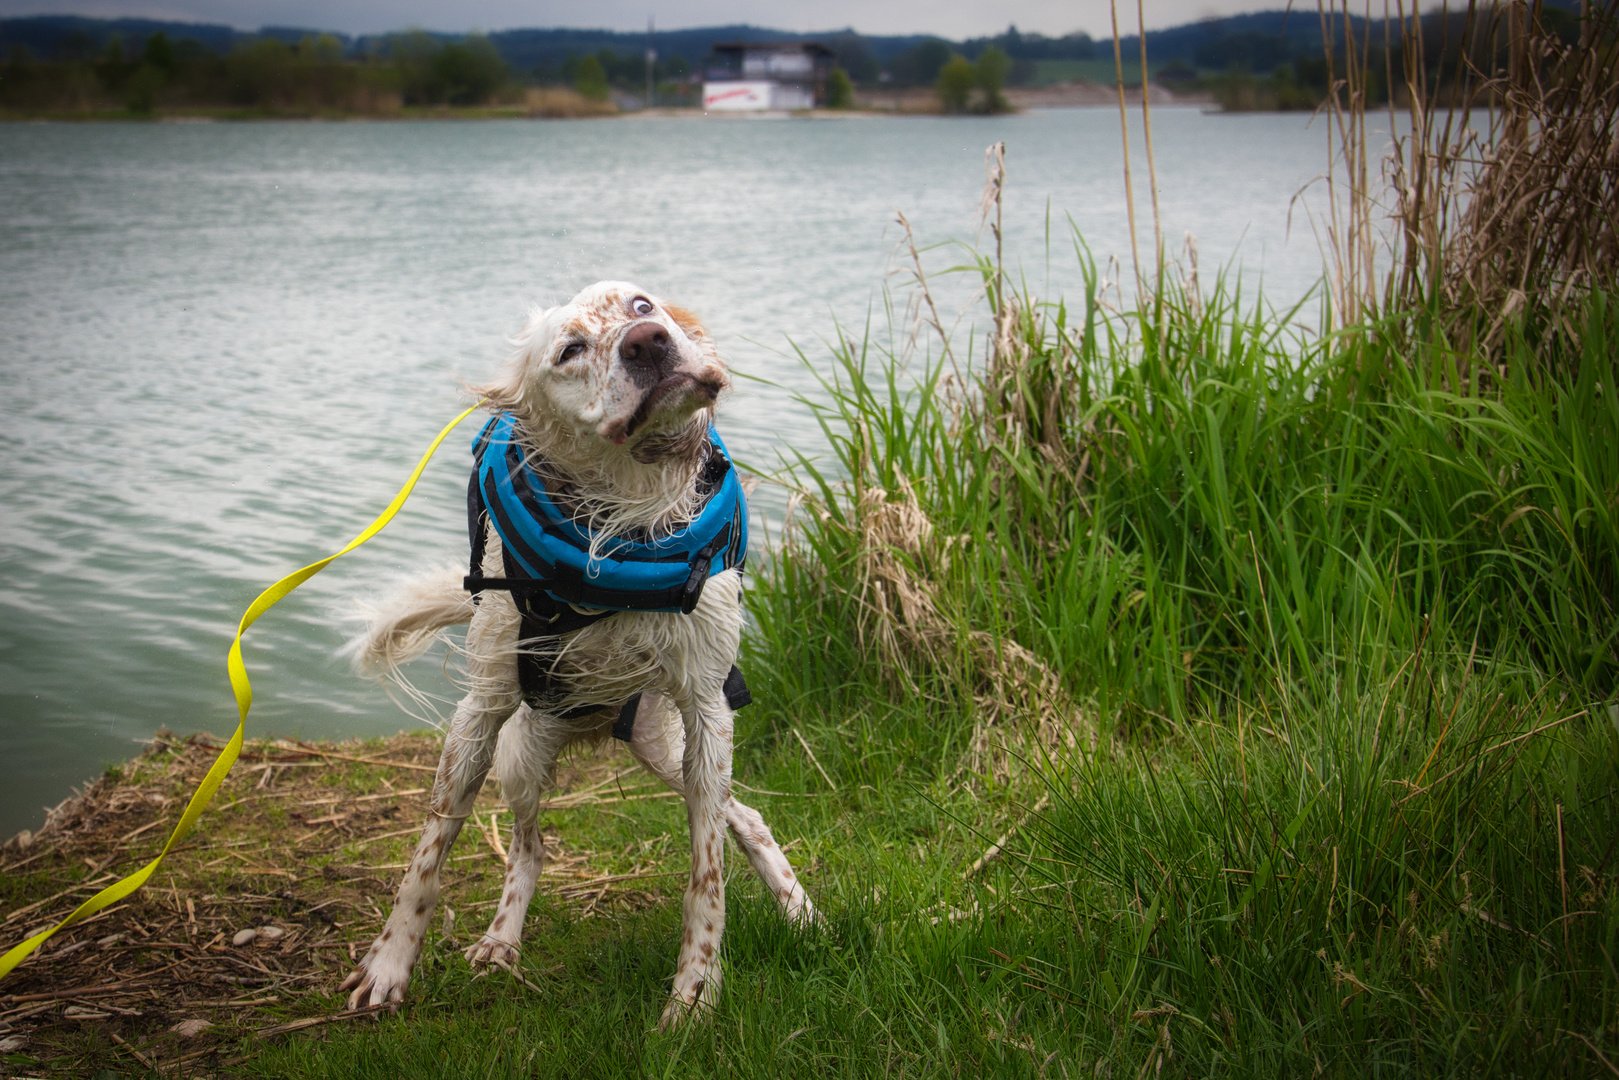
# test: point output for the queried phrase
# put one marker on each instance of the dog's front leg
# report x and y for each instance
(525, 763)
(707, 767)
(469, 750)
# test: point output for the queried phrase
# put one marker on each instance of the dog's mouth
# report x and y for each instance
(679, 387)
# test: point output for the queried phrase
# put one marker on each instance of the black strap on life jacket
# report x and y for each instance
(736, 696)
(542, 617)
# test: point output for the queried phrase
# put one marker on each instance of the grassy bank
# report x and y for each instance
(1312, 642)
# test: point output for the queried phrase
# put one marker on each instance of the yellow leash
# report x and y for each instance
(244, 701)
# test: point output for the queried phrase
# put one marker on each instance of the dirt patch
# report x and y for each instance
(255, 917)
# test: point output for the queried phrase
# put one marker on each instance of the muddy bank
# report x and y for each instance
(246, 930)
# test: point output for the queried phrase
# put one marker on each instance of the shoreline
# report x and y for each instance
(911, 102)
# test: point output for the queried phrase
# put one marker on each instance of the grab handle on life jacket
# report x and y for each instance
(701, 561)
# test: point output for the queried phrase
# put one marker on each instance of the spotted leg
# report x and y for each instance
(658, 743)
(381, 977)
(525, 761)
(706, 769)
(469, 749)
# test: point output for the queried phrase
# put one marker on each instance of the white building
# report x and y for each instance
(754, 76)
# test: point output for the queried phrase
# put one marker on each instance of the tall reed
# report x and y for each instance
(1165, 506)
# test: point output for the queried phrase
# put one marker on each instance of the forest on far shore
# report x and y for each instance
(67, 66)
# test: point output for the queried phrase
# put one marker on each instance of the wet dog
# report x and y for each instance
(610, 399)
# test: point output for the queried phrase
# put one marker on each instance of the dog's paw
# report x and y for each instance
(488, 950)
(697, 1003)
(376, 981)
(803, 914)
(675, 1013)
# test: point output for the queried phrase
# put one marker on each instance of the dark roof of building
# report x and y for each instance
(813, 47)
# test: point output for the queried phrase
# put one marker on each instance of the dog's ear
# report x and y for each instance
(687, 321)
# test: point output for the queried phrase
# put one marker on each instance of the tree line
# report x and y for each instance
(77, 65)
(264, 75)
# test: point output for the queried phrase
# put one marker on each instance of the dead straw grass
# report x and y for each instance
(1512, 222)
(560, 103)
(1540, 224)
(303, 845)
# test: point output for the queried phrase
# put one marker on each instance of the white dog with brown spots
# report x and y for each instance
(615, 392)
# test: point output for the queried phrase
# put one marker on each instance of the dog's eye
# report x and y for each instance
(641, 306)
(570, 351)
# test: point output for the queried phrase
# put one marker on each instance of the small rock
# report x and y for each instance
(243, 937)
(13, 1044)
(272, 933)
(190, 1029)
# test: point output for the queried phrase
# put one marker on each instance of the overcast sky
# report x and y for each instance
(950, 18)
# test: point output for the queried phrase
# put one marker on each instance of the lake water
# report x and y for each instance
(223, 346)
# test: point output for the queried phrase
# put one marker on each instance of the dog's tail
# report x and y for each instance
(405, 624)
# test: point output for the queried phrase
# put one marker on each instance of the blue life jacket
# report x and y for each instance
(548, 551)
(556, 584)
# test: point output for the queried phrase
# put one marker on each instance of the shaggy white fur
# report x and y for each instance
(624, 440)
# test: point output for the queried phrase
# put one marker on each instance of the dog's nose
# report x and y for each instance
(645, 348)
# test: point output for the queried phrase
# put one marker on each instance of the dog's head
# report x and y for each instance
(617, 364)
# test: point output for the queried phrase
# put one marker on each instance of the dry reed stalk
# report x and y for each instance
(1539, 225)
(1124, 132)
(990, 200)
(1352, 236)
(924, 295)
(1146, 133)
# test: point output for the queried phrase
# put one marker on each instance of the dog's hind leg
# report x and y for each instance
(525, 761)
(658, 743)
(768, 861)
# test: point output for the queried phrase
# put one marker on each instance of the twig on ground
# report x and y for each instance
(367, 761)
(491, 833)
(1591, 1046)
(998, 846)
(81, 991)
(782, 794)
(142, 1058)
(813, 760)
(316, 1021)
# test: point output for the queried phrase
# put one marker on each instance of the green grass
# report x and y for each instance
(1304, 648)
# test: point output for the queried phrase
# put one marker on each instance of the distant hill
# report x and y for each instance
(64, 37)
(50, 37)
(1257, 41)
